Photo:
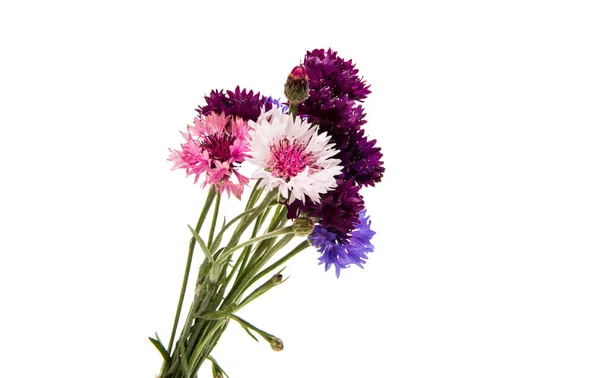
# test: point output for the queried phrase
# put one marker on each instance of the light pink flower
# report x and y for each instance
(292, 156)
(215, 145)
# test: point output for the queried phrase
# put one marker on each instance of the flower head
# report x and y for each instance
(338, 211)
(361, 158)
(333, 113)
(215, 145)
(333, 104)
(341, 255)
(327, 69)
(240, 103)
(292, 156)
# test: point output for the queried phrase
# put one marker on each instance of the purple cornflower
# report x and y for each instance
(326, 69)
(341, 255)
(239, 103)
(338, 210)
(332, 112)
(361, 159)
(335, 90)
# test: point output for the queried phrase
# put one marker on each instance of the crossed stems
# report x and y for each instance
(212, 307)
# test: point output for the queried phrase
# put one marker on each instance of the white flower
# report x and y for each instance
(292, 156)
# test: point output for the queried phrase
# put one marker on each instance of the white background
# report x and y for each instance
(487, 247)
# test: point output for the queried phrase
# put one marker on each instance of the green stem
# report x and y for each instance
(293, 109)
(207, 301)
(195, 359)
(268, 235)
(232, 222)
(257, 225)
(265, 335)
(254, 194)
(209, 199)
(214, 220)
(278, 220)
(299, 248)
(247, 278)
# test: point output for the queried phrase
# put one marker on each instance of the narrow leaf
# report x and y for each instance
(202, 245)
(248, 332)
(160, 348)
(217, 369)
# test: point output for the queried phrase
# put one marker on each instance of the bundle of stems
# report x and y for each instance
(224, 279)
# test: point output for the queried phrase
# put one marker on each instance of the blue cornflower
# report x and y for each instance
(270, 101)
(354, 251)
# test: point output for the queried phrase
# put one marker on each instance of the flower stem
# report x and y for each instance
(214, 220)
(268, 235)
(299, 248)
(293, 109)
(209, 199)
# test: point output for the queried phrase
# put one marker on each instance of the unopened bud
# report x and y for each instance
(277, 279)
(303, 226)
(276, 344)
(296, 86)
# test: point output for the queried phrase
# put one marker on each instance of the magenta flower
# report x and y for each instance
(215, 145)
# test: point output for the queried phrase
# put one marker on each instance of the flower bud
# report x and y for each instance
(277, 279)
(276, 344)
(303, 226)
(296, 86)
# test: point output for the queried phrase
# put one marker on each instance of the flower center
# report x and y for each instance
(217, 146)
(289, 159)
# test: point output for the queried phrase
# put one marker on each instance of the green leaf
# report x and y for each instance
(202, 245)
(248, 332)
(218, 371)
(160, 347)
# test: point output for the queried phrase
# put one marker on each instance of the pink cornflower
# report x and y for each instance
(292, 156)
(215, 145)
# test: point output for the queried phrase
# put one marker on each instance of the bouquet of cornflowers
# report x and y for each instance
(311, 159)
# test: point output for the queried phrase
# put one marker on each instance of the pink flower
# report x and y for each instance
(215, 145)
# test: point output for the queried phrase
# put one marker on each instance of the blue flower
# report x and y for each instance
(354, 251)
(270, 101)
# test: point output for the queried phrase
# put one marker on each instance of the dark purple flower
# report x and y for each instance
(326, 69)
(243, 104)
(338, 210)
(331, 112)
(341, 255)
(335, 89)
(361, 159)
